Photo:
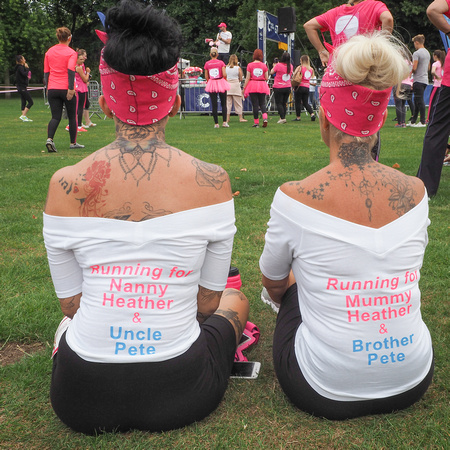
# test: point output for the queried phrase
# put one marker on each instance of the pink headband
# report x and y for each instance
(138, 99)
(353, 109)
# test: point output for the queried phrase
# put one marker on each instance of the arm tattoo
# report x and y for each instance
(201, 317)
(209, 175)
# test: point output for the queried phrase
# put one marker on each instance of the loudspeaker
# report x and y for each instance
(286, 20)
(297, 54)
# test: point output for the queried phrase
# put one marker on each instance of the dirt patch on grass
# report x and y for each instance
(12, 352)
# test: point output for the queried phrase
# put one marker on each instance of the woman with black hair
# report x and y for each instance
(139, 237)
(22, 76)
(282, 84)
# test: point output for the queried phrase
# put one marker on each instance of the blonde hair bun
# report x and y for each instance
(377, 61)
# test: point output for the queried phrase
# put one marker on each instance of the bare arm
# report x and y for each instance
(387, 21)
(84, 76)
(277, 288)
(312, 28)
(207, 303)
(224, 72)
(435, 13)
(247, 79)
(70, 305)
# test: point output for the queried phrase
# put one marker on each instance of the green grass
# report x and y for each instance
(253, 414)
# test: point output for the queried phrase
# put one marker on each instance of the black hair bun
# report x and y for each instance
(142, 40)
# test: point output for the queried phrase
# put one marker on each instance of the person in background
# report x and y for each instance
(282, 84)
(437, 70)
(139, 237)
(23, 74)
(81, 87)
(217, 85)
(59, 75)
(343, 254)
(223, 42)
(401, 97)
(234, 94)
(301, 92)
(257, 88)
(353, 18)
(438, 131)
(312, 92)
(421, 66)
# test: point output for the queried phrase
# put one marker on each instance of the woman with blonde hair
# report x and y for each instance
(343, 254)
(234, 95)
(301, 92)
(217, 85)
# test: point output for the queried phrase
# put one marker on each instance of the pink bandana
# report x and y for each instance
(138, 99)
(353, 109)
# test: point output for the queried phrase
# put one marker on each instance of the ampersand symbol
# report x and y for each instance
(383, 329)
(136, 318)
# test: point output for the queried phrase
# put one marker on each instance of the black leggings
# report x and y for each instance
(303, 395)
(27, 101)
(214, 104)
(258, 103)
(92, 397)
(419, 102)
(56, 99)
(82, 96)
(301, 95)
(281, 99)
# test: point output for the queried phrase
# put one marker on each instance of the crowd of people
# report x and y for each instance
(140, 252)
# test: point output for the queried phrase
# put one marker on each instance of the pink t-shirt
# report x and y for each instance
(346, 21)
(214, 68)
(58, 60)
(282, 78)
(307, 73)
(257, 70)
(446, 77)
(438, 73)
(80, 85)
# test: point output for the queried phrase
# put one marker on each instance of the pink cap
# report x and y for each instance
(222, 24)
(353, 109)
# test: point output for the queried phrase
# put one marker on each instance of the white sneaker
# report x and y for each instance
(62, 327)
(282, 121)
(216, 125)
(265, 297)
(225, 125)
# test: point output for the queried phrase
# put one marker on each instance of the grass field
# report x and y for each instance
(253, 414)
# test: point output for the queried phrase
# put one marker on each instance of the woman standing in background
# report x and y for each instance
(234, 95)
(256, 86)
(282, 84)
(23, 74)
(217, 84)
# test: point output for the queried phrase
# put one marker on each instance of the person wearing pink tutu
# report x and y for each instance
(256, 86)
(216, 83)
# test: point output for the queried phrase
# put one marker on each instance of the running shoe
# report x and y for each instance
(51, 146)
(265, 297)
(76, 146)
(264, 123)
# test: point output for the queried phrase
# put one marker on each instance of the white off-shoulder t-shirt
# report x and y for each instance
(362, 335)
(139, 280)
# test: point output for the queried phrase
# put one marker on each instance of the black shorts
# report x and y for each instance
(158, 396)
(303, 395)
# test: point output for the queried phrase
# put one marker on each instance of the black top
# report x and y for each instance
(21, 73)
